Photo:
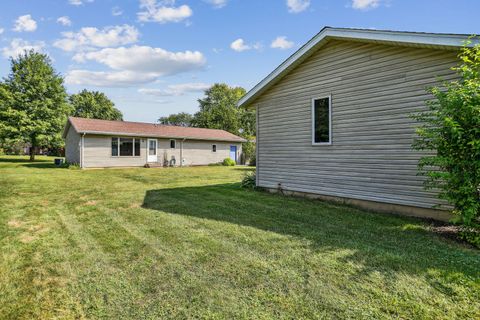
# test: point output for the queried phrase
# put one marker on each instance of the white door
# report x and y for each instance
(152, 150)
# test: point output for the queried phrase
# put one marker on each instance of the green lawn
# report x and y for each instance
(190, 243)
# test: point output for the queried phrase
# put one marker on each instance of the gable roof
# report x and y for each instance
(401, 38)
(141, 129)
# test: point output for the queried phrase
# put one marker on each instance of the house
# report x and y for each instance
(334, 119)
(96, 143)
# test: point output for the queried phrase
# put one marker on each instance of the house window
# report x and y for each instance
(136, 148)
(173, 144)
(322, 121)
(114, 147)
(214, 148)
(125, 147)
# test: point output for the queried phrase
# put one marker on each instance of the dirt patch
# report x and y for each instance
(27, 238)
(91, 203)
(135, 205)
(15, 223)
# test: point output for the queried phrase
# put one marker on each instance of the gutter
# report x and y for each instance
(181, 151)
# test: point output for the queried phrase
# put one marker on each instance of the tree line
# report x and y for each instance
(34, 106)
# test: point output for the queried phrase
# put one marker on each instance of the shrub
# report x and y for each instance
(253, 161)
(228, 162)
(450, 128)
(249, 181)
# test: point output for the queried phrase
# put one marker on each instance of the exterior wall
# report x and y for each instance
(196, 152)
(97, 152)
(72, 146)
(374, 88)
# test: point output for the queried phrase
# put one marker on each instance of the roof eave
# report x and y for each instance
(126, 134)
(444, 41)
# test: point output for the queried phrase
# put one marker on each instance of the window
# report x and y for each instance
(321, 121)
(136, 147)
(214, 148)
(172, 144)
(125, 147)
(114, 147)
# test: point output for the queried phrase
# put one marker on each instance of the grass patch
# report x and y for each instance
(190, 243)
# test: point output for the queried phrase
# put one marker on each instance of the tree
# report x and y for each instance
(451, 128)
(183, 119)
(94, 105)
(218, 110)
(33, 105)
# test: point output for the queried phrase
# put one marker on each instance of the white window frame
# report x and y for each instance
(214, 149)
(118, 146)
(329, 97)
(175, 142)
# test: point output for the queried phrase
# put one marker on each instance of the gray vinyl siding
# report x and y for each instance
(97, 152)
(72, 146)
(374, 89)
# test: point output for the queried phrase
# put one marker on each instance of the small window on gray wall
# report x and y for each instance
(114, 147)
(321, 121)
(214, 148)
(172, 144)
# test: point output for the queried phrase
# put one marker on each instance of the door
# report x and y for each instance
(152, 150)
(233, 153)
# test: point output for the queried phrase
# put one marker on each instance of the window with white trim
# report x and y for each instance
(125, 147)
(173, 144)
(322, 120)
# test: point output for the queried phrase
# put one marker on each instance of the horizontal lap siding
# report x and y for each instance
(374, 89)
(72, 146)
(97, 153)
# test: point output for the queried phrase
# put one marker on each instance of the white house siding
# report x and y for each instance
(374, 89)
(97, 152)
(72, 146)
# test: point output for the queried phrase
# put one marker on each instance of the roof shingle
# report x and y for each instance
(95, 126)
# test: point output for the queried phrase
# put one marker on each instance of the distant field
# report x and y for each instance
(190, 243)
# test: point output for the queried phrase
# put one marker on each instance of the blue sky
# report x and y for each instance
(154, 57)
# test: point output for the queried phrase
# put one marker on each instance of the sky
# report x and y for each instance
(156, 57)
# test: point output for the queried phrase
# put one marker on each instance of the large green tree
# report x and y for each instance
(94, 105)
(183, 119)
(218, 110)
(451, 128)
(33, 102)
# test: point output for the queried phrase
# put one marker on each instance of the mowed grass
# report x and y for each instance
(190, 243)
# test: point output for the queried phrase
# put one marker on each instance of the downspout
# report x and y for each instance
(181, 151)
(81, 150)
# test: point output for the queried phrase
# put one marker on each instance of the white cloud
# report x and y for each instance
(365, 4)
(64, 21)
(281, 43)
(116, 11)
(79, 2)
(134, 65)
(239, 45)
(25, 23)
(163, 11)
(296, 6)
(217, 3)
(176, 89)
(1, 30)
(89, 37)
(19, 46)
(108, 78)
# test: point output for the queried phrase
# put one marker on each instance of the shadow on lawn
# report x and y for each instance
(380, 243)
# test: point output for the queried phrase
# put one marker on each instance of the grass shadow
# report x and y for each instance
(380, 243)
